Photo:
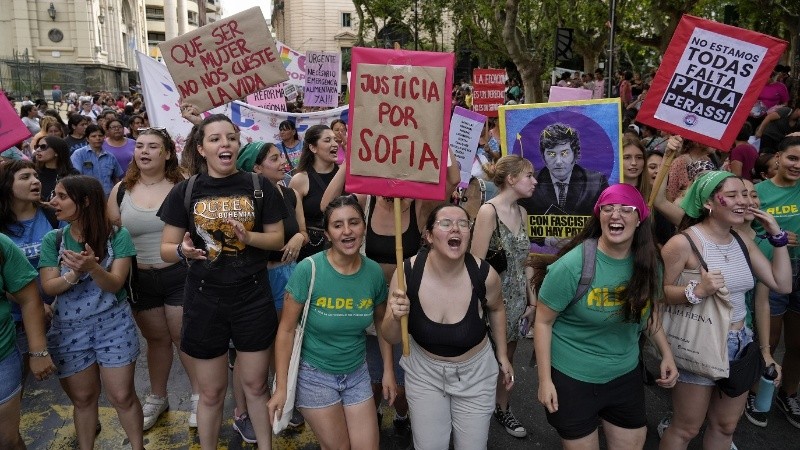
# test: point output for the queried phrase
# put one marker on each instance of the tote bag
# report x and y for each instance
(281, 422)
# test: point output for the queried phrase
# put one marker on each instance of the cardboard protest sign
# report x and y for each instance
(709, 80)
(399, 122)
(568, 94)
(270, 98)
(256, 124)
(323, 79)
(575, 150)
(12, 129)
(224, 60)
(465, 132)
(488, 90)
(290, 91)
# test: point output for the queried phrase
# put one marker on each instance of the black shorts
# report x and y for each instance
(213, 315)
(581, 405)
(154, 288)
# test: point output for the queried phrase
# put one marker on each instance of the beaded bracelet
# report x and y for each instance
(689, 292)
(69, 282)
(179, 251)
(778, 240)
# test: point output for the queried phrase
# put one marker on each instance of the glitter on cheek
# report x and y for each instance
(721, 200)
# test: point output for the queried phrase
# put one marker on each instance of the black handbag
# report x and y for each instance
(496, 257)
(743, 372)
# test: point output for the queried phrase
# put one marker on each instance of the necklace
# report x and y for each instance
(723, 253)
(153, 183)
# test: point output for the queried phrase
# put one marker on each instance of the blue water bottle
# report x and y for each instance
(766, 387)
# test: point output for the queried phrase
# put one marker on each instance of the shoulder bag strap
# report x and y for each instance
(496, 225)
(696, 251)
(744, 250)
(306, 307)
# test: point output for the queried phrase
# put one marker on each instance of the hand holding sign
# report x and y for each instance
(224, 60)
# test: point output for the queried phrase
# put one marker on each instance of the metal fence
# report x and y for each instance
(22, 75)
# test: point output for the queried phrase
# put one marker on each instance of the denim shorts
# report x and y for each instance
(375, 361)
(109, 339)
(737, 341)
(22, 338)
(780, 303)
(278, 277)
(10, 376)
(317, 389)
(158, 287)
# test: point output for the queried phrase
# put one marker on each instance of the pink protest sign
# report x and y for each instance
(568, 94)
(271, 98)
(399, 122)
(12, 130)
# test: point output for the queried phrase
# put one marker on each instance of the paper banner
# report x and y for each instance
(567, 94)
(465, 133)
(574, 143)
(489, 90)
(709, 80)
(224, 60)
(12, 129)
(271, 98)
(399, 123)
(323, 79)
(256, 124)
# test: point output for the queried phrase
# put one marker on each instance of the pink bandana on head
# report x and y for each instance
(623, 194)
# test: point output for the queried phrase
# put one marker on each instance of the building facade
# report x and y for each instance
(81, 45)
(167, 19)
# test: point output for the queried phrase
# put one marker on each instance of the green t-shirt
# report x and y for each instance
(784, 204)
(341, 309)
(86, 299)
(15, 274)
(591, 341)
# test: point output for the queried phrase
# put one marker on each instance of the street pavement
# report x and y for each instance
(47, 419)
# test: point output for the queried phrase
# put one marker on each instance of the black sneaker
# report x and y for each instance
(297, 419)
(511, 424)
(789, 406)
(402, 434)
(756, 417)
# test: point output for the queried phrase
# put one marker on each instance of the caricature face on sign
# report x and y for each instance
(397, 122)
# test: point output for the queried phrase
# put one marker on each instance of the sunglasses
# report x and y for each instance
(158, 130)
(42, 147)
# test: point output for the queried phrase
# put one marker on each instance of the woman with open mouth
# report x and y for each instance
(452, 370)
(224, 222)
(93, 338)
(313, 174)
(501, 224)
(586, 336)
(714, 203)
(157, 302)
(349, 293)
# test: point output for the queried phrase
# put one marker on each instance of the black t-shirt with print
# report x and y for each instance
(214, 200)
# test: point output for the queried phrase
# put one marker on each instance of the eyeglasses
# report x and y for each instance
(623, 210)
(447, 224)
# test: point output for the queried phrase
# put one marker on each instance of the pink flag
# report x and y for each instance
(12, 130)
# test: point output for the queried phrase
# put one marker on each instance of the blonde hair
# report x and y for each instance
(507, 165)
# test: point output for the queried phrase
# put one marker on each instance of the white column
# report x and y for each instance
(183, 17)
(170, 19)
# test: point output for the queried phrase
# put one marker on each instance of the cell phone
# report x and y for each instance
(524, 326)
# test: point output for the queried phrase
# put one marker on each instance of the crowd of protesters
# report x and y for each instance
(130, 241)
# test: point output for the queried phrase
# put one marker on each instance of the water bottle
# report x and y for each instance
(766, 387)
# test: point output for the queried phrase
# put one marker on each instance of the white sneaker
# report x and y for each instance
(193, 412)
(663, 425)
(152, 409)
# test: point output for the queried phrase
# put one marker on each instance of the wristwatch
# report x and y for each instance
(40, 354)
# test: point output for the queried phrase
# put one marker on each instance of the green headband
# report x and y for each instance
(700, 191)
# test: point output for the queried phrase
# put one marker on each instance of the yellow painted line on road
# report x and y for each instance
(170, 432)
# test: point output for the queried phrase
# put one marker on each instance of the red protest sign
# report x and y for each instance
(224, 60)
(399, 123)
(709, 80)
(489, 89)
(12, 129)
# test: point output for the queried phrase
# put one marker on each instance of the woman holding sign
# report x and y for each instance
(501, 224)
(714, 203)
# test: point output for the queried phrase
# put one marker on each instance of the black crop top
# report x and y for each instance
(380, 248)
(317, 183)
(290, 225)
(445, 339)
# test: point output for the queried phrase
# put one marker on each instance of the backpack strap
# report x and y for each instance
(258, 195)
(477, 275)
(414, 274)
(120, 193)
(187, 200)
(59, 239)
(587, 270)
(50, 215)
